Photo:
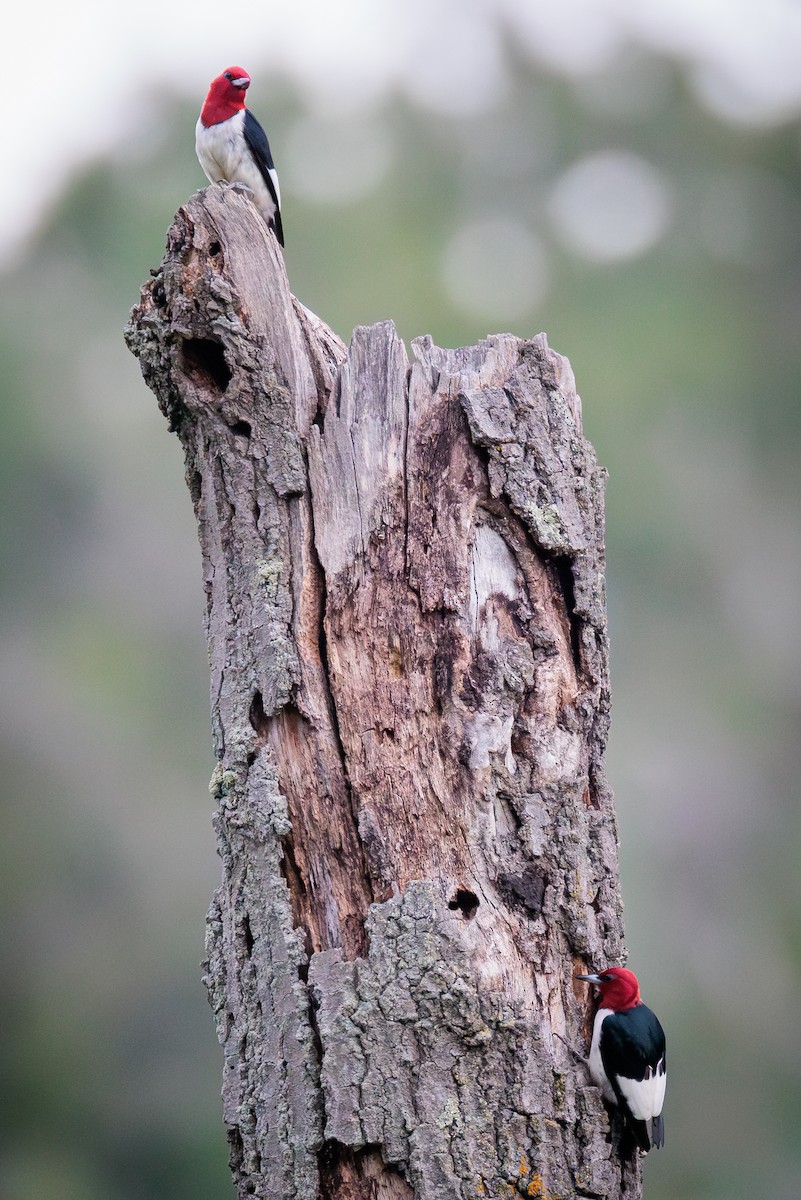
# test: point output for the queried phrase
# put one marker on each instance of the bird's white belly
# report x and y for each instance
(223, 154)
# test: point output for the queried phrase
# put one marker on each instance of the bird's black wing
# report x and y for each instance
(256, 140)
(633, 1041)
(632, 1045)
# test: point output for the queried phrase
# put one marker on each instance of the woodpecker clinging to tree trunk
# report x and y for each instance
(627, 1054)
(232, 145)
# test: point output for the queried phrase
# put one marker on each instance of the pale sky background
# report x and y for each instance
(86, 68)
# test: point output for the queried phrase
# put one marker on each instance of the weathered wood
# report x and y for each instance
(407, 634)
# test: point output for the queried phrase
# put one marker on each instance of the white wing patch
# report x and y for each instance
(271, 171)
(645, 1097)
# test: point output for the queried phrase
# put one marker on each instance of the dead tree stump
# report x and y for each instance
(404, 575)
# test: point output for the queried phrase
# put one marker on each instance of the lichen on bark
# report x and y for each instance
(404, 571)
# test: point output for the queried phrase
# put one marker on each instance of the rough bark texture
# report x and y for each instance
(403, 567)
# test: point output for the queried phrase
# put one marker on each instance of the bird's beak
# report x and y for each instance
(589, 978)
(242, 82)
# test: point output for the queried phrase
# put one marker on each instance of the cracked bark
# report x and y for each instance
(403, 567)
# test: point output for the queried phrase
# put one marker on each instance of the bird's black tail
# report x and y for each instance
(635, 1133)
(648, 1135)
(277, 226)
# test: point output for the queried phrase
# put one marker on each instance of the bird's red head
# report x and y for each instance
(226, 96)
(619, 988)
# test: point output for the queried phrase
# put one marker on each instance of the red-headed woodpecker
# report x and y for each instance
(232, 145)
(627, 1054)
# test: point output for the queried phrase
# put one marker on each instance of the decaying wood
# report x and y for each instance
(403, 566)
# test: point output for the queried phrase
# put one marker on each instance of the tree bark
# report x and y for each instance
(404, 575)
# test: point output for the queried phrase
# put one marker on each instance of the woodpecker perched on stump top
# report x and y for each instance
(627, 1055)
(232, 145)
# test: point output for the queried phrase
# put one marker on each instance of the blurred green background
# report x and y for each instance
(464, 169)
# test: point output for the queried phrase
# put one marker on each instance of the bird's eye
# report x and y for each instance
(228, 75)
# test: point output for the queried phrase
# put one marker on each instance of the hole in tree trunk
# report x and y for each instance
(465, 902)
(236, 1148)
(258, 717)
(564, 571)
(248, 932)
(203, 361)
(347, 1174)
(240, 428)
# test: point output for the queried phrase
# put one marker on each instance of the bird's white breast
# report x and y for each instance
(595, 1064)
(224, 154)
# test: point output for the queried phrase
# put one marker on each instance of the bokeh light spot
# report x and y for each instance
(609, 206)
(495, 269)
